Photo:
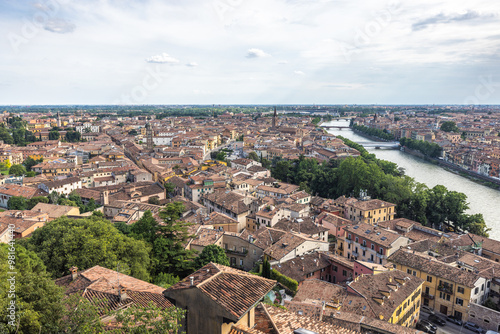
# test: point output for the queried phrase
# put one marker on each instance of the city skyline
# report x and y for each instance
(242, 52)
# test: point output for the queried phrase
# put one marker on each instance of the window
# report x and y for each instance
(334, 268)
(460, 302)
(344, 273)
(429, 279)
(357, 239)
(476, 290)
(460, 290)
(373, 247)
(408, 271)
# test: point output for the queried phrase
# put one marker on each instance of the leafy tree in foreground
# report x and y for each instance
(151, 319)
(211, 253)
(38, 299)
(449, 126)
(87, 242)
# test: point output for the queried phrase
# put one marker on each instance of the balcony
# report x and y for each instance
(355, 254)
(427, 295)
(349, 241)
(446, 288)
(380, 256)
(236, 252)
(363, 247)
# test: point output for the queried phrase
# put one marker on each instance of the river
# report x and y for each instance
(481, 198)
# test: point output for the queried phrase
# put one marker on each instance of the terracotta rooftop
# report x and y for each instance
(101, 287)
(434, 267)
(234, 290)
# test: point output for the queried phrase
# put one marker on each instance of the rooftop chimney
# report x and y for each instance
(191, 279)
(105, 197)
(122, 292)
(74, 272)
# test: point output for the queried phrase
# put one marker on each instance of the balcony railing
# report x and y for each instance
(363, 247)
(381, 256)
(349, 241)
(236, 252)
(355, 254)
(427, 295)
(446, 288)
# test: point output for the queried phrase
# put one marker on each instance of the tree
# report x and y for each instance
(32, 202)
(166, 280)
(266, 269)
(84, 243)
(80, 316)
(73, 136)
(149, 319)
(17, 203)
(17, 170)
(449, 126)
(133, 132)
(54, 135)
(168, 240)
(154, 200)
(252, 155)
(211, 253)
(221, 155)
(169, 188)
(30, 162)
(37, 297)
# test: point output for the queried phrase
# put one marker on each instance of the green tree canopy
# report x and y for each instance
(54, 135)
(87, 242)
(38, 299)
(17, 203)
(449, 126)
(211, 253)
(30, 162)
(252, 155)
(17, 170)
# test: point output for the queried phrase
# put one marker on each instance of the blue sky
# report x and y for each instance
(249, 52)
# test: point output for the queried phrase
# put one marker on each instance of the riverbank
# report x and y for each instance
(367, 136)
(471, 175)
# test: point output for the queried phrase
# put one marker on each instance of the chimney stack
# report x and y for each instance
(122, 292)
(191, 279)
(74, 272)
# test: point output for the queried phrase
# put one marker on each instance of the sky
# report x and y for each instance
(249, 52)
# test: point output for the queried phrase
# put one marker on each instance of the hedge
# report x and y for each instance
(285, 280)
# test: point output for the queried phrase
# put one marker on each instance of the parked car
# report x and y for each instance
(473, 327)
(454, 320)
(437, 320)
(428, 324)
(427, 309)
(421, 326)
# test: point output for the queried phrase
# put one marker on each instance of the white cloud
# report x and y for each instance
(59, 26)
(163, 58)
(299, 72)
(283, 62)
(256, 53)
(192, 64)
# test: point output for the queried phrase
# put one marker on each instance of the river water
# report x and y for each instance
(481, 198)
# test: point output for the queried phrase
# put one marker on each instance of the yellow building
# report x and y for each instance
(393, 296)
(447, 289)
(370, 211)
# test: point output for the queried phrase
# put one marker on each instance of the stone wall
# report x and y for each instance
(484, 317)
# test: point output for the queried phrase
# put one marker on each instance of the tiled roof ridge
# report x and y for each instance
(270, 318)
